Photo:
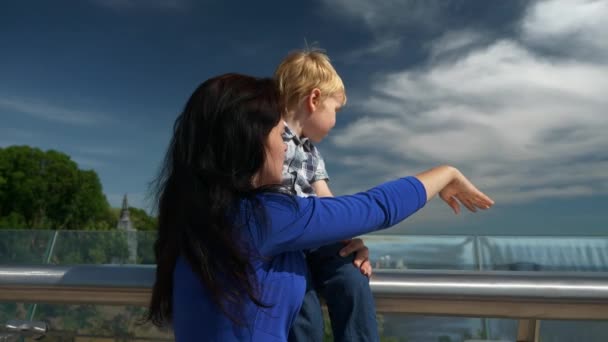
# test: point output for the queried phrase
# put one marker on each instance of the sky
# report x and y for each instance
(513, 93)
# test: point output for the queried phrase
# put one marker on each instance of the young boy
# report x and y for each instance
(312, 92)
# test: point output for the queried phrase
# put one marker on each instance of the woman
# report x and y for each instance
(229, 260)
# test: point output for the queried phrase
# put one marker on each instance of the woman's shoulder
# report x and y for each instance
(279, 208)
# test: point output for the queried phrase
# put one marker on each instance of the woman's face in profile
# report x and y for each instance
(272, 170)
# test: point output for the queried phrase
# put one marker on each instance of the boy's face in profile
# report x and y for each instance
(323, 118)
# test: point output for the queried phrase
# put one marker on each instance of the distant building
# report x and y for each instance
(125, 224)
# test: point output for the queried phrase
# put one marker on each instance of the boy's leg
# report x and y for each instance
(308, 325)
(346, 292)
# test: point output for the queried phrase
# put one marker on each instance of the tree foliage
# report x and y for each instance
(46, 190)
(141, 220)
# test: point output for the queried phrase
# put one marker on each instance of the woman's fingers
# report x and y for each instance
(465, 193)
(473, 203)
(453, 203)
(487, 200)
(482, 201)
(469, 204)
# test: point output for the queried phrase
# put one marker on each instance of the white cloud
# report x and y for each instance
(384, 19)
(52, 112)
(581, 22)
(524, 125)
(383, 46)
(379, 15)
(454, 42)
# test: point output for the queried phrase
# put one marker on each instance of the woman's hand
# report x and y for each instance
(454, 188)
(461, 190)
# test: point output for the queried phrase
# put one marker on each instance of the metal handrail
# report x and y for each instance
(131, 284)
(527, 296)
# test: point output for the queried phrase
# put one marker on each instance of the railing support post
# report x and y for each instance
(528, 330)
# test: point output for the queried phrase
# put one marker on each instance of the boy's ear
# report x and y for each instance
(313, 100)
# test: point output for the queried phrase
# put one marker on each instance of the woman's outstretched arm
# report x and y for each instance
(318, 221)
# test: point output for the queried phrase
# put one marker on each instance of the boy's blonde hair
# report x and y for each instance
(301, 72)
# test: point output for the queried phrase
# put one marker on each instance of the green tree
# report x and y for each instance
(13, 221)
(47, 190)
(89, 207)
(22, 170)
(141, 220)
(145, 247)
(24, 246)
(86, 247)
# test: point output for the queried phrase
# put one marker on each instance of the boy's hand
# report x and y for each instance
(361, 257)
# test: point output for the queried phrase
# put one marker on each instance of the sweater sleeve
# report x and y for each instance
(314, 221)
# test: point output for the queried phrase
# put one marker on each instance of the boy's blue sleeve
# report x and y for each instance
(318, 221)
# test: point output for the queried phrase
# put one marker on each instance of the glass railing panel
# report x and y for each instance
(422, 252)
(10, 311)
(544, 253)
(101, 323)
(91, 247)
(396, 327)
(499, 329)
(104, 247)
(560, 330)
(68, 247)
(25, 246)
(82, 322)
(145, 247)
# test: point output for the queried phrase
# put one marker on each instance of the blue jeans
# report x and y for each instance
(347, 294)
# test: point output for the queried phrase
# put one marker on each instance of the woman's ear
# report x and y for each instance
(313, 100)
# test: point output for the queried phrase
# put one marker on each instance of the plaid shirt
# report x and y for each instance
(303, 164)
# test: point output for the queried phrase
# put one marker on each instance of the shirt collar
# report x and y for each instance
(304, 141)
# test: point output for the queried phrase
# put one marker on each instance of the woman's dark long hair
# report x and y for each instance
(218, 147)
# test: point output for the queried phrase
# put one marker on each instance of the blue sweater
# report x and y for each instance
(281, 274)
